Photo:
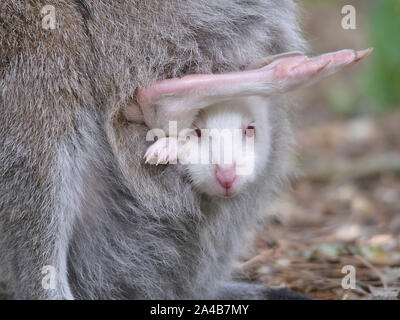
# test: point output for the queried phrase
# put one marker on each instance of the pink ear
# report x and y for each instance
(281, 73)
(179, 99)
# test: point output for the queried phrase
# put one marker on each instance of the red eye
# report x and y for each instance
(250, 131)
(198, 132)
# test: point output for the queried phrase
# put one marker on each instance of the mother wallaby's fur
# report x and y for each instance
(75, 193)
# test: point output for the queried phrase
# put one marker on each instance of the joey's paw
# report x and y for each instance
(163, 151)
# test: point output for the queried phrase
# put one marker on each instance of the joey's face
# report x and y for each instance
(229, 146)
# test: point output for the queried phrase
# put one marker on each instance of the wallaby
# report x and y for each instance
(76, 196)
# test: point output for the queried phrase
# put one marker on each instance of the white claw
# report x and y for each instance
(163, 151)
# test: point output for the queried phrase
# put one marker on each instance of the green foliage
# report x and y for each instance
(382, 81)
(343, 100)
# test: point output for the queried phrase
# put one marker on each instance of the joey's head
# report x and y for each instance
(229, 146)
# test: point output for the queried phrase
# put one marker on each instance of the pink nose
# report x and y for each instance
(226, 175)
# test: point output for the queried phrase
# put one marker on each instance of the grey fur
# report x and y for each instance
(74, 191)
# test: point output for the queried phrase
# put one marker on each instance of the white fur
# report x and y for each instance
(233, 115)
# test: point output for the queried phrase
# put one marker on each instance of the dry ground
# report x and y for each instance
(344, 209)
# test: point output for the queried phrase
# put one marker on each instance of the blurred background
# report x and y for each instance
(344, 207)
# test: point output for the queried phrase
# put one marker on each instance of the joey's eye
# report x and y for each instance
(250, 130)
(197, 132)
